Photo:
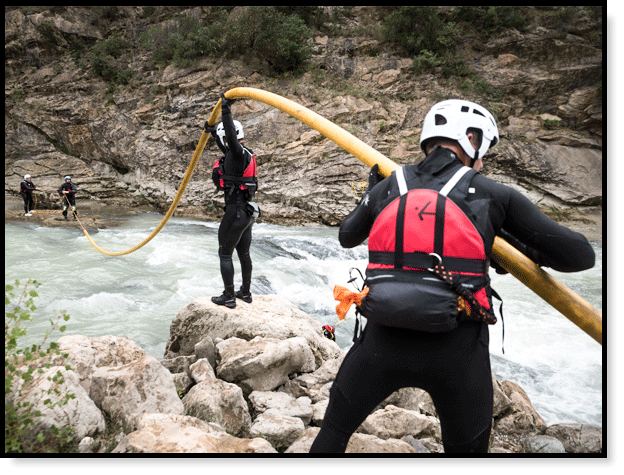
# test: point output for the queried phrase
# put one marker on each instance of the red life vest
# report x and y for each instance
(424, 252)
(248, 181)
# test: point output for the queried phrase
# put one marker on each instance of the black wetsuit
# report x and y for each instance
(71, 196)
(26, 189)
(453, 367)
(235, 228)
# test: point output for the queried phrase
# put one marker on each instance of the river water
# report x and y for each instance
(138, 295)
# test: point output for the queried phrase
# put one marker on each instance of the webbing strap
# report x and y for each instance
(446, 189)
(400, 177)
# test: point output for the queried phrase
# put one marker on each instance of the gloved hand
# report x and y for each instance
(373, 177)
(226, 103)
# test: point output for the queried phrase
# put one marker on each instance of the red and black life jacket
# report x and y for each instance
(249, 180)
(424, 253)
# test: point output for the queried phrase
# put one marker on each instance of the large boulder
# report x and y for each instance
(214, 400)
(87, 354)
(358, 444)
(278, 429)
(80, 413)
(578, 438)
(521, 417)
(263, 364)
(269, 316)
(282, 403)
(184, 434)
(128, 391)
(394, 423)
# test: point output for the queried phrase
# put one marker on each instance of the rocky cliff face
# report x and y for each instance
(131, 146)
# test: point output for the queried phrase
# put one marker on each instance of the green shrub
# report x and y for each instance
(492, 20)
(21, 366)
(104, 59)
(252, 32)
(415, 29)
(282, 40)
(422, 33)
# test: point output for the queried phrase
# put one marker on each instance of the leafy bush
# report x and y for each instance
(104, 60)
(415, 29)
(282, 40)
(424, 34)
(22, 366)
(492, 20)
(261, 32)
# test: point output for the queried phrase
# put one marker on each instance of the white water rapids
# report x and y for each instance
(137, 296)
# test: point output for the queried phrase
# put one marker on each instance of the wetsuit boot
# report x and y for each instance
(246, 267)
(227, 298)
(244, 294)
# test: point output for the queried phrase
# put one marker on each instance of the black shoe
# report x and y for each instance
(224, 299)
(244, 296)
(65, 218)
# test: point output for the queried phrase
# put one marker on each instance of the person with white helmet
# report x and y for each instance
(26, 190)
(236, 174)
(68, 191)
(430, 228)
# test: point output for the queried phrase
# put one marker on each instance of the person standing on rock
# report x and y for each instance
(235, 174)
(428, 302)
(26, 189)
(68, 191)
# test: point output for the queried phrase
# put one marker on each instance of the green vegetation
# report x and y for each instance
(266, 33)
(104, 59)
(23, 366)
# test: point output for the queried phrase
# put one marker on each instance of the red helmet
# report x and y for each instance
(328, 331)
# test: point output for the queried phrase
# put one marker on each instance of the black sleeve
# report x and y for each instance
(236, 148)
(543, 240)
(356, 227)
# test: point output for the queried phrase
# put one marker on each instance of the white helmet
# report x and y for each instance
(67, 178)
(239, 131)
(452, 118)
(26, 177)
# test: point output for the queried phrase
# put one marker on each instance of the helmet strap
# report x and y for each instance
(474, 159)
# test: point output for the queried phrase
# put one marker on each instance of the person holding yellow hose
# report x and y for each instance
(236, 174)
(428, 302)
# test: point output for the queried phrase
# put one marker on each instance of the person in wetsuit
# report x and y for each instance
(452, 366)
(26, 189)
(68, 191)
(235, 174)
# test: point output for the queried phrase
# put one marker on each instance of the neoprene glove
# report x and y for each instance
(226, 103)
(373, 177)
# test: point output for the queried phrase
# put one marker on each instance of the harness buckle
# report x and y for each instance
(439, 261)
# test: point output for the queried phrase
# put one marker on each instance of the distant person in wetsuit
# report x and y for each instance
(68, 191)
(235, 174)
(418, 332)
(26, 190)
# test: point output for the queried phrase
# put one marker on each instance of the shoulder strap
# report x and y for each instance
(400, 178)
(446, 189)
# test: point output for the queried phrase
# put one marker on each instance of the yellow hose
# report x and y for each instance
(575, 308)
(185, 180)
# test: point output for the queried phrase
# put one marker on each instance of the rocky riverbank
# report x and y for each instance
(255, 379)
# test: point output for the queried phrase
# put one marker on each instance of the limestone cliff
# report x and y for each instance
(130, 145)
